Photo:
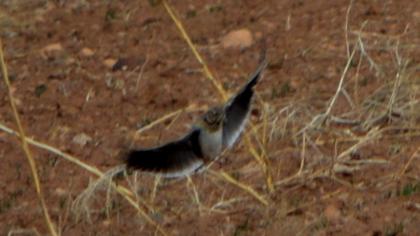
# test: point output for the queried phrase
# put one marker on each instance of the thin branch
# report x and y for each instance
(242, 186)
(25, 146)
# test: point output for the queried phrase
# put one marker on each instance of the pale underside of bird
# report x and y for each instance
(218, 129)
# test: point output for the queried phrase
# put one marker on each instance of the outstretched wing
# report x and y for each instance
(237, 109)
(175, 159)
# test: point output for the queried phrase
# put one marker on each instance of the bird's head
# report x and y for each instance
(212, 120)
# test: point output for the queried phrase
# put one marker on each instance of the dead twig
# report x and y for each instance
(25, 146)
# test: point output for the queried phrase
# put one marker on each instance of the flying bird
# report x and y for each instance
(218, 129)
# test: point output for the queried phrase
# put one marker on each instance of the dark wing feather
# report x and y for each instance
(237, 109)
(174, 159)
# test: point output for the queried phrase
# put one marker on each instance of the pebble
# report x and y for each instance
(241, 38)
(110, 62)
(87, 52)
(82, 139)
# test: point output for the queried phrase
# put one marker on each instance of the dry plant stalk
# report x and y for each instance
(405, 168)
(25, 146)
(155, 186)
(166, 117)
(32, 231)
(218, 206)
(262, 159)
(191, 185)
(230, 179)
(194, 50)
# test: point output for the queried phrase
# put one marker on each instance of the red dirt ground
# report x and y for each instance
(58, 55)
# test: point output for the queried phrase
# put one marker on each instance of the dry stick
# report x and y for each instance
(348, 98)
(364, 53)
(334, 157)
(231, 180)
(302, 162)
(127, 194)
(223, 204)
(265, 124)
(223, 175)
(155, 186)
(172, 122)
(346, 28)
(25, 146)
(196, 196)
(415, 154)
(165, 117)
(373, 134)
(340, 84)
(356, 83)
(210, 76)
(194, 50)
(299, 175)
(23, 231)
(397, 83)
(140, 75)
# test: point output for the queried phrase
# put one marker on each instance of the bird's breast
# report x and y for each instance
(211, 143)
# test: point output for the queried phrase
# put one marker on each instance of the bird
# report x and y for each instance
(218, 129)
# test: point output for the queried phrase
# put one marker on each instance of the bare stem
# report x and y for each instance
(25, 147)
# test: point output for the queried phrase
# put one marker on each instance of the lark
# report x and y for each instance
(217, 130)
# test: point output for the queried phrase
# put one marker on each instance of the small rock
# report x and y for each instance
(110, 62)
(238, 39)
(332, 213)
(70, 60)
(52, 47)
(54, 53)
(344, 197)
(82, 139)
(60, 192)
(106, 223)
(87, 52)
